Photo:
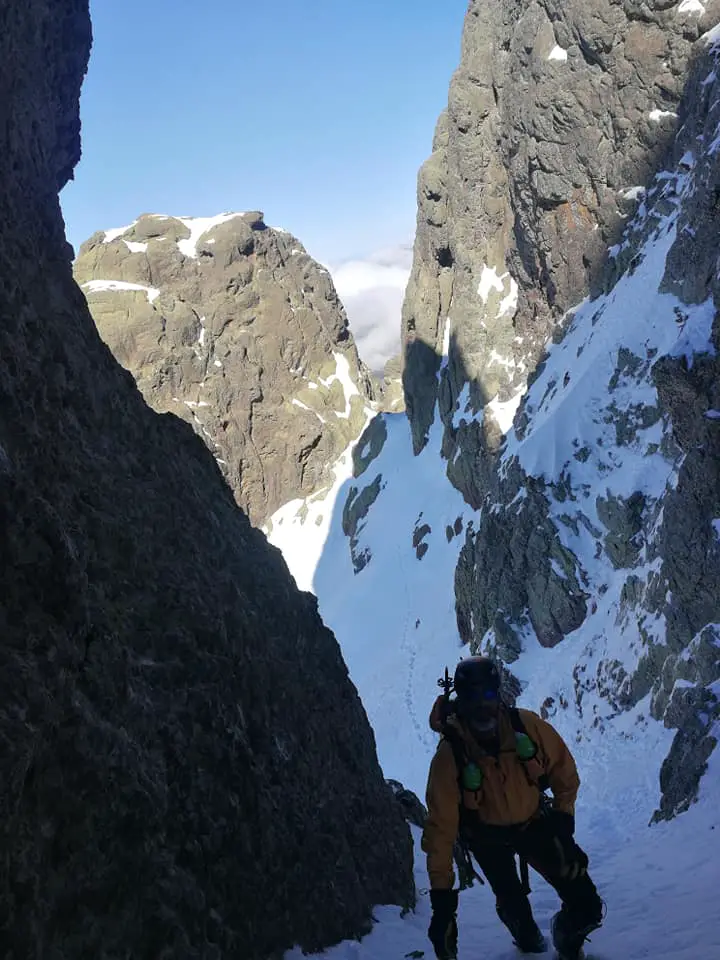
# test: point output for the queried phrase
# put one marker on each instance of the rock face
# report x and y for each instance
(393, 399)
(570, 165)
(557, 116)
(187, 770)
(229, 324)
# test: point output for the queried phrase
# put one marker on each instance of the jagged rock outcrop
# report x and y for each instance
(413, 808)
(369, 445)
(393, 398)
(685, 689)
(229, 324)
(577, 159)
(187, 769)
(558, 116)
(355, 510)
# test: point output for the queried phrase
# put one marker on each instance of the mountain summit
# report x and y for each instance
(230, 325)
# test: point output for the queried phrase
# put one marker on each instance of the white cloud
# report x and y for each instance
(372, 291)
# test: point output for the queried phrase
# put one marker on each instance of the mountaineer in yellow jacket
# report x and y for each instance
(485, 787)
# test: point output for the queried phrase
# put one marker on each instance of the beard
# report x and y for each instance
(482, 719)
(484, 727)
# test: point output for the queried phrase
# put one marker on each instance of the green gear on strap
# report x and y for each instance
(524, 746)
(472, 777)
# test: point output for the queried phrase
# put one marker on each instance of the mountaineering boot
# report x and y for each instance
(443, 931)
(525, 932)
(567, 939)
(531, 943)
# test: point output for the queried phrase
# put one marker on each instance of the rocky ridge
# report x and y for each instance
(187, 769)
(578, 159)
(558, 116)
(229, 324)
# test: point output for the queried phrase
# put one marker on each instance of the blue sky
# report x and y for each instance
(317, 112)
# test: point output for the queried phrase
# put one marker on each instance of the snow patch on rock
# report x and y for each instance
(489, 280)
(657, 115)
(116, 232)
(508, 305)
(197, 227)
(462, 406)
(100, 286)
(342, 374)
(503, 284)
(135, 247)
(504, 410)
(303, 406)
(712, 36)
(691, 8)
(633, 193)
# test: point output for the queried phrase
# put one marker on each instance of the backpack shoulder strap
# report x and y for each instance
(516, 721)
(458, 748)
(519, 727)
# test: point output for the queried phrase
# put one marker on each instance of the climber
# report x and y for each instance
(486, 787)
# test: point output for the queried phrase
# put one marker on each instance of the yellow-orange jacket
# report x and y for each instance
(509, 793)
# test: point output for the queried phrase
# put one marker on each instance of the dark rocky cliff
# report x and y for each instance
(577, 161)
(187, 770)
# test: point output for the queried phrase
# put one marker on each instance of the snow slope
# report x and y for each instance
(395, 620)
(395, 623)
(660, 894)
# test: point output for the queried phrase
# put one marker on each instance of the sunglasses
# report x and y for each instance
(476, 694)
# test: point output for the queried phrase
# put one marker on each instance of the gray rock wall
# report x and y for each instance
(557, 112)
(239, 332)
(540, 192)
(688, 667)
(187, 770)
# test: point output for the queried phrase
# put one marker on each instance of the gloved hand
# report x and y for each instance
(443, 931)
(572, 860)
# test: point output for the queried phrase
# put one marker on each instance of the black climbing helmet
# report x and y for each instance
(477, 678)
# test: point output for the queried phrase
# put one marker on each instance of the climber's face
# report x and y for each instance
(479, 709)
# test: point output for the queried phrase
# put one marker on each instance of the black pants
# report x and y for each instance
(495, 848)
